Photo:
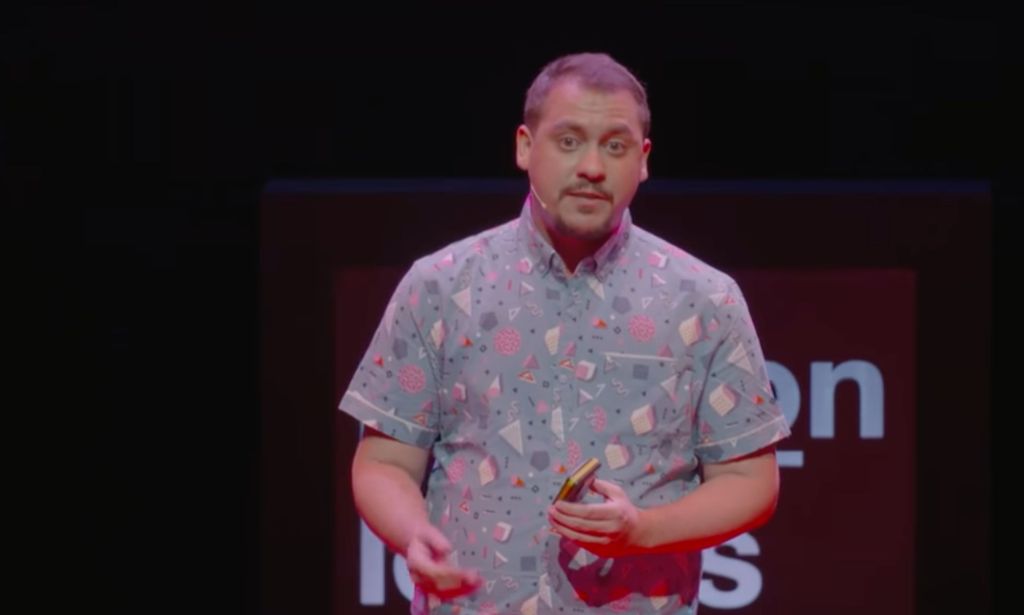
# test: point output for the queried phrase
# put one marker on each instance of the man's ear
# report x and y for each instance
(524, 142)
(645, 151)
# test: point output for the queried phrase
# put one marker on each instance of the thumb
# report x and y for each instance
(609, 490)
(433, 538)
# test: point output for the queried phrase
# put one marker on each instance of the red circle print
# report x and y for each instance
(641, 327)
(507, 341)
(412, 379)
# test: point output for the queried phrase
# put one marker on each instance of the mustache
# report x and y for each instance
(587, 187)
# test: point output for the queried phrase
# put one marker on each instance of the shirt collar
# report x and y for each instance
(544, 256)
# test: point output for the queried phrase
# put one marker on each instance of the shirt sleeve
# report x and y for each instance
(396, 387)
(737, 412)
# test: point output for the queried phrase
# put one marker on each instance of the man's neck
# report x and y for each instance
(572, 250)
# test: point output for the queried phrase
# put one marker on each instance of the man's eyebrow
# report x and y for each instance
(567, 125)
(616, 129)
(619, 128)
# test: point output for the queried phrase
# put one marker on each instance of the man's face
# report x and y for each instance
(585, 158)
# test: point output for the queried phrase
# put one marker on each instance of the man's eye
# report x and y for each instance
(616, 147)
(568, 142)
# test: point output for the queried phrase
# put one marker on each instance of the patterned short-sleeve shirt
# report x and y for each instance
(511, 372)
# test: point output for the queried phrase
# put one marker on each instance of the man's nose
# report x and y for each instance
(591, 166)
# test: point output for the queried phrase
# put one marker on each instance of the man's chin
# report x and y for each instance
(586, 231)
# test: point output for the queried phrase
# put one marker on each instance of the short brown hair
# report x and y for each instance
(593, 70)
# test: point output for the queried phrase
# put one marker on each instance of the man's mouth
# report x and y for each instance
(589, 195)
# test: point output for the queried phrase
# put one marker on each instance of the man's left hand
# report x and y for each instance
(609, 529)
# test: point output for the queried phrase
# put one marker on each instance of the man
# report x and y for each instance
(512, 356)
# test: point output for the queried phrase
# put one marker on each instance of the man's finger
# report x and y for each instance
(589, 539)
(606, 488)
(589, 526)
(588, 511)
(429, 567)
(437, 541)
(439, 574)
(454, 592)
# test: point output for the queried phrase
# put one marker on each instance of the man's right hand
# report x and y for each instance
(429, 567)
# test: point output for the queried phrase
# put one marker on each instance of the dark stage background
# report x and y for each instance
(138, 146)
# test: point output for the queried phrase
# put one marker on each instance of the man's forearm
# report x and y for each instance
(719, 509)
(389, 501)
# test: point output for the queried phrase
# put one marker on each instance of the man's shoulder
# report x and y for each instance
(692, 273)
(462, 254)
